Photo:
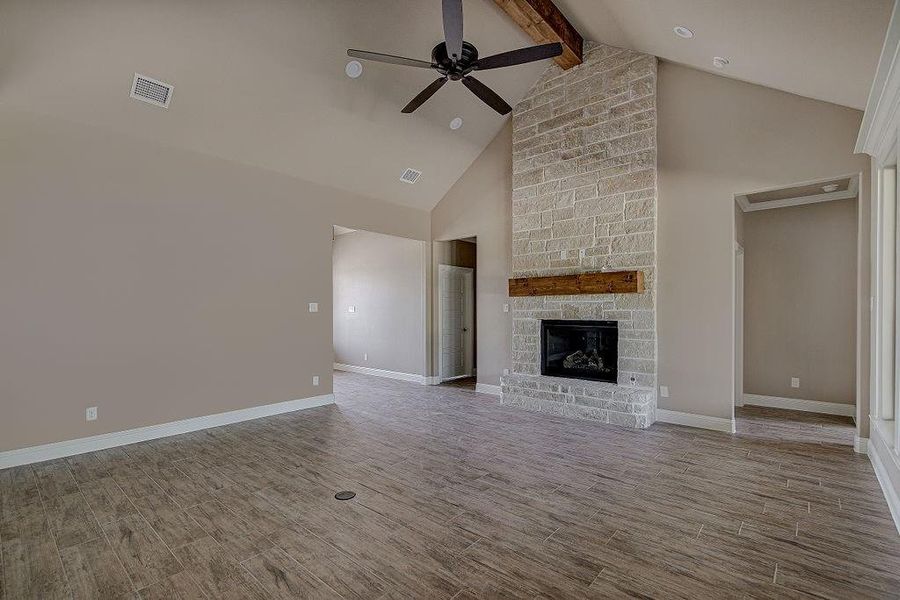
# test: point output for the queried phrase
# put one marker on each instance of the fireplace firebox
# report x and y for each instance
(580, 349)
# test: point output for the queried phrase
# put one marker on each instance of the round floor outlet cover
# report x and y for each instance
(345, 495)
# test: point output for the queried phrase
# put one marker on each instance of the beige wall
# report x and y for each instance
(800, 301)
(158, 284)
(718, 137)
(478, 205)
(383, 278)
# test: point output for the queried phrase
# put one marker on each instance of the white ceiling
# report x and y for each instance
(262, 82)
(822, 49)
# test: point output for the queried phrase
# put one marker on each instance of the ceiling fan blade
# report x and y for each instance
(520, 56)
(453, 27)
(390, 58)
(424, 95)
(487, 95)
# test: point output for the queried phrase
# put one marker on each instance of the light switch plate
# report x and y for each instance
(313, 307)
(90, 414)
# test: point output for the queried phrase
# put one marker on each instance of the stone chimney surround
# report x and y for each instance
(584, 200)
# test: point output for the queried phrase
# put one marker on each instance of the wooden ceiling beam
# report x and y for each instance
(545, 23)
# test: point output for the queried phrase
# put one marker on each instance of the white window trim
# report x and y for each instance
(890, 433)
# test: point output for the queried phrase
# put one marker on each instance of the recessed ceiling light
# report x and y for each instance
(720, 62)
(353, 69)
(831, 187)
(456, 123)
(683, 32)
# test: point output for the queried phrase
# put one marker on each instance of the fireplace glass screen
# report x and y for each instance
(580, 349)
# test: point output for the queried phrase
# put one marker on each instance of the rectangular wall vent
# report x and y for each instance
(410, 176)
(147, 89)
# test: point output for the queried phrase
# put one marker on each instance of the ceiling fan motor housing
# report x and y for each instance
(455, 70)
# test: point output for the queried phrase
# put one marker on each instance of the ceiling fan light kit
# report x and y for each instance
(455, 59)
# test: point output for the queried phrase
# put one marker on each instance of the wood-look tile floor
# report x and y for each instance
(794, 425)
(457, 497)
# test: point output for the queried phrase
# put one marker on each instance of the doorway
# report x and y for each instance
(795, 311)
(455, 310)
(378, 309)
(456, 318)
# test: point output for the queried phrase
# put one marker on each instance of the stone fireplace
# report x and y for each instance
(584, 200)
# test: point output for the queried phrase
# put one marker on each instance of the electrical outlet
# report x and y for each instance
(90, 414)
(315, 380)
(506, 371)
(663, 391)
(506, 308)
(313, 307)
(795, 382)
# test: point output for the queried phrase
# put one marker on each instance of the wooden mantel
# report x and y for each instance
(610, 282)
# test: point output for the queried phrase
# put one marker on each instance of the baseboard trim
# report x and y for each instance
(825, 408)
(413, 377)
(487, 388)
(33, 454)
(860, 445)
(692, 420)
(890, 494)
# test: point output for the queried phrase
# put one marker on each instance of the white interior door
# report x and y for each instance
(456, 286)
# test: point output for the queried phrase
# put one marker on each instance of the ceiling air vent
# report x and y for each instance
(147, 89)
(410, 176)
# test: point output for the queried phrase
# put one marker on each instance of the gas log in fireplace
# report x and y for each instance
(580, 349)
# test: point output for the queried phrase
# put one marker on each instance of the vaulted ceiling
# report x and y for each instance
(822, 49)
(262, 83)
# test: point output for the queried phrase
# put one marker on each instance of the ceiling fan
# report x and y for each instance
(455, 59)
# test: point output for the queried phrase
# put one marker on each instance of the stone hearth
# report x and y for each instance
(584, 200)
(580, 399)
